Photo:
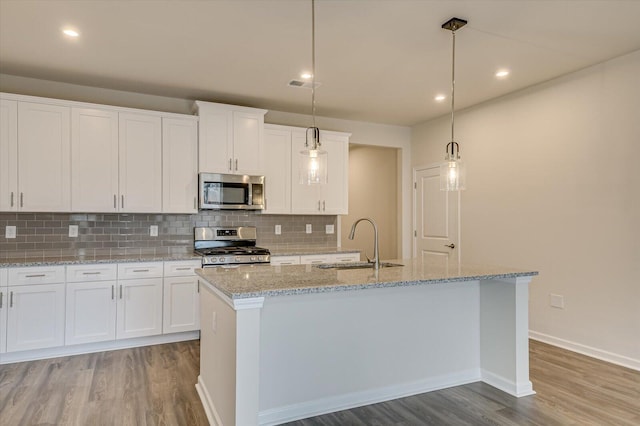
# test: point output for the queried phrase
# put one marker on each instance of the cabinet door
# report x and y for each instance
(140, 151)
(277, 171)
(3, 311)
(305, 199)
(335, 194)
(215, 140)
(181, 310)
(248, 141)
(8, 155)
(139, 311)
(44, 144)
(35, 317)
(179, 165)
(91, 312)
(94, 160)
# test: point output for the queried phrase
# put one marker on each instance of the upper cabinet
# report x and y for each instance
(140, 165)
(283, 192)
(8, 155)
(230, 138)
(44, 169)
(179, 165)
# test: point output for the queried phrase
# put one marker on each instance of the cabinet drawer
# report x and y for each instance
(3, 277)
(285, 260)
(312, 259)
(128, 271)
(345, 257)
(78, 273)
(181, 268)
(36, 275)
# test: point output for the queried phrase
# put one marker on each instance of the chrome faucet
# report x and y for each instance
(376, 252)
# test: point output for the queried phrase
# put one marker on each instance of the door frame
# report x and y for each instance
(414, 237)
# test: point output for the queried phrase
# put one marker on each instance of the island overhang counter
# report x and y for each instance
(280, 343)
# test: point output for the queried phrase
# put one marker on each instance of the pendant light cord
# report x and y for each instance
(313, 64)
(453, 87)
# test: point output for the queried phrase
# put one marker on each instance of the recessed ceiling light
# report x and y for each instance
(502, 73)
(305, 75)
(70, 32)
(440, 98)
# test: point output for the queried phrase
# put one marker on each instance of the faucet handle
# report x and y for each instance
(367, 257)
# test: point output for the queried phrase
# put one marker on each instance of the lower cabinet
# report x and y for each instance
(35, 317)
(91, 312)
(139, 311)
(181, 310)
(312, 259)
(3, 311)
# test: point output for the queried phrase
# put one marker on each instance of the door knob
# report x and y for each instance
(451, 246)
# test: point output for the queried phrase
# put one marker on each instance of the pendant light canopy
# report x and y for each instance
(312, 161)
(452, 171)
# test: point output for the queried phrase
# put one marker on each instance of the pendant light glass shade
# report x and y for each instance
(312, 161)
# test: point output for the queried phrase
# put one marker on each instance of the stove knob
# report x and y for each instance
(254, 258)
(238, 259)
(213, 259)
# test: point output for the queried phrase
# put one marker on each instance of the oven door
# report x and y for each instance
(229, 192)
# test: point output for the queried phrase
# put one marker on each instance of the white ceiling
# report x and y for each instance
(377, 60)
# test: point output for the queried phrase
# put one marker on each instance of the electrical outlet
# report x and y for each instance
(153, 230)
(10, 232)
(278, 229)
(556, 301)
(73, 231)
(329, 229)
(308, 228)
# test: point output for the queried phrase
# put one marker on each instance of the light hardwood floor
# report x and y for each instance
(155, 386)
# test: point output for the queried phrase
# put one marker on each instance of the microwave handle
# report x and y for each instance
(250, 189)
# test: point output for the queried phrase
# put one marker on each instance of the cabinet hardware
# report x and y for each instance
(197, 289)
(318, 205)
(122, 201)
(1, 294)
(11, 300)
(286, 263)
(229, 164)
(36, 276)
(186, 268)
(120, 291)
(113, 292)
(11, 198)
(91, 273)
(451, 246)
(115, 201)
(236, 164)
(324, 205)
(22, 199)
(140, 270)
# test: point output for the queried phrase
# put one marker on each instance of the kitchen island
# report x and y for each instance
(284, 343)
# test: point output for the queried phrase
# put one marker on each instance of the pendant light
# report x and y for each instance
(312, 160)
(452, 171)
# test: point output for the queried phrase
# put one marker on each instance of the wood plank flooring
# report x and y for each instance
(154, 385)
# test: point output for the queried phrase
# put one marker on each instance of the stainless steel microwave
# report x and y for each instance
(230, 192)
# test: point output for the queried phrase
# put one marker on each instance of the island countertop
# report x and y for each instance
(265, 280)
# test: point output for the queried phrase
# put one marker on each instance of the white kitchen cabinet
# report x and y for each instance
(90, 303)
(140, 163)
(332, 197)
(230, 138)
(4, 307)
(139, 311)
(179, 165)
(8, 155)
(345, 257)
(181, 305)
(277, 169)
(94, 159)
(285, 260)
(44, 144)
(312, 259)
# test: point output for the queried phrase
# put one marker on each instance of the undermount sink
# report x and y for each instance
(355, 265)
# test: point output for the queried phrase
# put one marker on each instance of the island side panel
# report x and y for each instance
(217, 378)
(329, 351)
(504, 334)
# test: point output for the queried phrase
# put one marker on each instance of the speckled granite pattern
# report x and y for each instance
(79, 260)
(262, 280)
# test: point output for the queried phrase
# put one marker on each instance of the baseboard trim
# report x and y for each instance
(87, 348)
(321, 406)
(499, 382)
(209, 409)
(600, 354)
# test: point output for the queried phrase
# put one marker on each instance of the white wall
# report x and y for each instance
(554, 184)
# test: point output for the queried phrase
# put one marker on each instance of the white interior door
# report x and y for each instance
(436, 218)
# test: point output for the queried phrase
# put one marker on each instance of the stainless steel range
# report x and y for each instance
(229, 246)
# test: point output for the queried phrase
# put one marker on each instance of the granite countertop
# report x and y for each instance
(301, 251)
(264, 280)
(79, 260)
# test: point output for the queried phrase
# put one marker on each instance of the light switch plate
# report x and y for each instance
(278, 229)
(556, 301)
(329, 229)
(73, 231)
(308, 228)
(153, 230)
(10, 232)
